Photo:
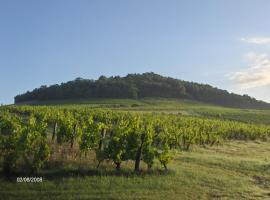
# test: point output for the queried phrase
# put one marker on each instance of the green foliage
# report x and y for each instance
(10, 130)
(23, 140)
(116, 147)
(41, 156)
(135, 86)
(91, 135)
(112, 135)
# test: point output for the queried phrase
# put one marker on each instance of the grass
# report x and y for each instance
(234, 170)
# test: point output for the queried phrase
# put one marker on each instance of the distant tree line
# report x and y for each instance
(137, 86)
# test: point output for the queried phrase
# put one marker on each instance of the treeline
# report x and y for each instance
(140, 86)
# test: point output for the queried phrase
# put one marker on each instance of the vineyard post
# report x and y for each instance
(139, 154)
(54, 130)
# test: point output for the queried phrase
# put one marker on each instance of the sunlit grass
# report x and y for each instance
(234, 170)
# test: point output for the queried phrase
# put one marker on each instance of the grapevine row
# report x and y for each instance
(25, 133)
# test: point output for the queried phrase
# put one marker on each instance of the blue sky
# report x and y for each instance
(225, 43)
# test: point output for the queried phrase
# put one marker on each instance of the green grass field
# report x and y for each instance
(231, 170)
(235, 170)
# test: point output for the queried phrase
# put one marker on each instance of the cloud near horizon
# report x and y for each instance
(256, 40)
(257, 74)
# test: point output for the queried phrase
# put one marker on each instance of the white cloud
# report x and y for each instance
(256, 40)
(257, 74)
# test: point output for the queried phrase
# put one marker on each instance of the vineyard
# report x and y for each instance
(31, 136)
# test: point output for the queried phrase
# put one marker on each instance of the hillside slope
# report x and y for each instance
(134, 86)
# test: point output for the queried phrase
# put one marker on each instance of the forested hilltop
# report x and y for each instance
(136, 86)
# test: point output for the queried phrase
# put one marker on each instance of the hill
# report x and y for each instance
(137, 86)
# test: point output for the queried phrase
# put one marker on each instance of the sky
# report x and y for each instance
(224, 43)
